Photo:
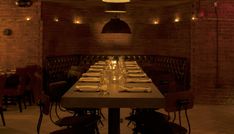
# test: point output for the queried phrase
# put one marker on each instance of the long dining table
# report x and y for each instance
(114, 97)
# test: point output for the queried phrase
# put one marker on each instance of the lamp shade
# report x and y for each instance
(115, 8)
(115, 25)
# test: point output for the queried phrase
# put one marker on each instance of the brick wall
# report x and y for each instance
(23, 47)
(64, 37)
(212, 53)
(197, 39)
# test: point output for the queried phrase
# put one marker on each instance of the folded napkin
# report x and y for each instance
(131, 65)
(133, 68)
(130, 62)
(97, 66)
(89, 79)
(138, 80)
(95, 69)
(91, 74)
(135, 71)
(137, 75)
(87, 88)
(100, 63)
(135, 89)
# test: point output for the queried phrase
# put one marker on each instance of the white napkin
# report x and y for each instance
(138, 80)
(87, 88)
(135, 89)
(100, 63)
(91, 74)
(95, 69)
(133, 68)
(137, 75)
(89, 79)
(97, 66)
(131, 62)
(131, 65)
(134, 71)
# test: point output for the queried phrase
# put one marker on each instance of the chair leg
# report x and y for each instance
(19, 103)
(39, 122)
(3, 120)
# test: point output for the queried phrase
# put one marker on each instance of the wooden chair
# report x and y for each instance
(15, 87)
(86, 124)
(30, 87)
(2, 84)
(176, 102)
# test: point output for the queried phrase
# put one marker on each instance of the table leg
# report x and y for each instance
(114, 121)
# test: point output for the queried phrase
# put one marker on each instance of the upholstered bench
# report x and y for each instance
(56, 68)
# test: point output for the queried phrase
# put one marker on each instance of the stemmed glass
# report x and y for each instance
(104, 81)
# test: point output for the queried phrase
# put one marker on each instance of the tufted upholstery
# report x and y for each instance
(56, 68)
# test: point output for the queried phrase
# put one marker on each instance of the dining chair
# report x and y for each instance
(29, 92)
(2, 84)
(14, 88)
(176, 102)
(75, 124)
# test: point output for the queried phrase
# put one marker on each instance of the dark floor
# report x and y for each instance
(205, 119)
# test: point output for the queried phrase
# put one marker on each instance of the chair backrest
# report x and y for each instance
(44, 104)
(2, 84)
(176, 101)
(36, 86)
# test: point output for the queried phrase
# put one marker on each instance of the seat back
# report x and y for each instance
(176, 101)
(2, 84)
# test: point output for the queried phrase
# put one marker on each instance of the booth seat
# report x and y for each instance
(56, 68)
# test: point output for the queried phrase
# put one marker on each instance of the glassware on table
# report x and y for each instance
(104, 82)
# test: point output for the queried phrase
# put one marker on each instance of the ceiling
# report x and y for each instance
(138, 3)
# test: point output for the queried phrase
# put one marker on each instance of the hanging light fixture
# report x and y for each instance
(115, 25)
(115, 8)
(23, 3)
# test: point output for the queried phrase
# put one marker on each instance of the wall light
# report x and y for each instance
(156, 21)
(76, 22)
(24, 3)
(28, 18)
(177, 19)
(56, 19)
(193, 18)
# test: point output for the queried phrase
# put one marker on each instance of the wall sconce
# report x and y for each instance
(7, 32)
(156, 21)
(193, 18)
(177, 19)
(28, 18)
(56, 19)
(24, 3)
(77, 20)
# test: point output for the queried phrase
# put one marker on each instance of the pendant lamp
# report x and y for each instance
(115, 25)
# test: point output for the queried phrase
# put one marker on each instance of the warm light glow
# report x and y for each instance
(194, 18)
(76, 21)
(177, 19)
(56, 19)
(28, 18)
(114, 62)
(115, 11)
(156, 22)
(116, 1)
